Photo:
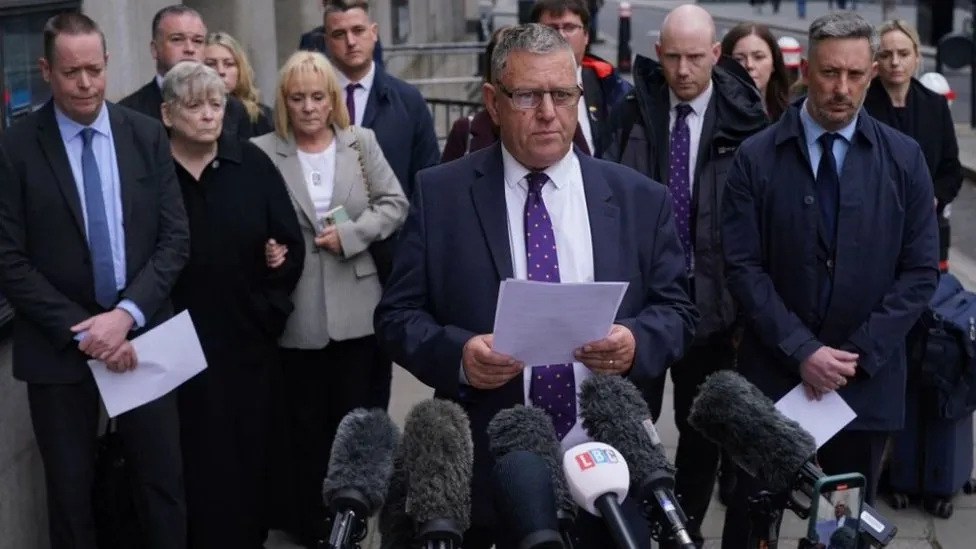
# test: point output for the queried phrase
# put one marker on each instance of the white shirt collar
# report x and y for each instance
(159, 81)
(559, 173)
(366, 83)
(698, 104)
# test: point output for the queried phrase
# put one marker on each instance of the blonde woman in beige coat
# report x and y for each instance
(347, 197)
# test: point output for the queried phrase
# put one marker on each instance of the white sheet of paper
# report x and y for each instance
(543, 323)
(168, 355)
(821, 418)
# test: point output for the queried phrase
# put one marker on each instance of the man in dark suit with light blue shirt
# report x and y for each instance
(831, 249)
(93, 236)
(484, 218)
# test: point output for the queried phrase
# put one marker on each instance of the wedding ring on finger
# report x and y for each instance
(610, 363)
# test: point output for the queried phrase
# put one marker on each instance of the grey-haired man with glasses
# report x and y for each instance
(532, 206)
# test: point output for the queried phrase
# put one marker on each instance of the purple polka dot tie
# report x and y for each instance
(553, 387)
(679, 179)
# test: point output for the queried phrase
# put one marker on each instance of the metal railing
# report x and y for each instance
(449, 71)
(446, 111)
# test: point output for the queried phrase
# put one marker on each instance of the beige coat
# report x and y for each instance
(336, 295)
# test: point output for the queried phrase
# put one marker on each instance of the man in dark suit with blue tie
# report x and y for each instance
(93, 236)
(831, 249)
(482, 219)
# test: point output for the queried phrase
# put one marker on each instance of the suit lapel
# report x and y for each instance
(53, 147)
(604, 218)
(488, 196)
(291, 170)
(376, 93)
(347, 170)
(126, 155)
(705, 141)
(662, 127)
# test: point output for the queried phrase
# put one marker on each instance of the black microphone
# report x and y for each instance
(360, 466)
(736, 415)
(530, 429)
(395, 526)
(614, 412)
(438, 459)
(522, 492)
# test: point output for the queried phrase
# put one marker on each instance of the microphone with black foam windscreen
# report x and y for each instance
(530, 429)
(438, 456)
(613, 411)
(360, 466)
(395, 526)
(523, 498)
(598, 480)
(769, 446)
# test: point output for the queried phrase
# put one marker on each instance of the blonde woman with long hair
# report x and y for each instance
(225, 55)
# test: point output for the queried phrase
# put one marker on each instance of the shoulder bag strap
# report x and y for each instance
(357, 144)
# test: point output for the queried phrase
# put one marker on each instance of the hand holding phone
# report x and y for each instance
(333, 217)
(836, 510)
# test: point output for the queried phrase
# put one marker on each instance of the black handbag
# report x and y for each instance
(381, 250)
(117, 521)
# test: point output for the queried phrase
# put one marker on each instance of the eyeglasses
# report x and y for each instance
(531, 99)
(567, 29)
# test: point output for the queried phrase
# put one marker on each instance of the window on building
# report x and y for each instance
(21, 45)
(401, 21)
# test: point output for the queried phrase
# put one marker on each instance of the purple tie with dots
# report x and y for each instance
(553, 387)
(679, 178)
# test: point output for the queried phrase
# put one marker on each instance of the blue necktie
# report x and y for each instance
(553, 387)
(828, 194)
(679, 178)
(99, 241)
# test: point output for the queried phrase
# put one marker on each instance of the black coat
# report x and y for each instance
(149, 99)
(885, 267)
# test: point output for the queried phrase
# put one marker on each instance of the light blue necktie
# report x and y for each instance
(99, 241)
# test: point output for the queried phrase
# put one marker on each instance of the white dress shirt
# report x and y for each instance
(583, 113)
(361, 95)
(696, 121)
(319, 171)
(566, 203)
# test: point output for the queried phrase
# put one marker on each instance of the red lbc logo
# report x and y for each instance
(585, 461)
(592, 458)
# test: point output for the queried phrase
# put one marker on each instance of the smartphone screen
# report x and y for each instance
(838, 512)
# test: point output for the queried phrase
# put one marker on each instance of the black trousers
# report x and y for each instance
(320, 388)
(65, 419)
(381, 381)
(226, 413)
(588, 532)
(848, 452)
(697, 458)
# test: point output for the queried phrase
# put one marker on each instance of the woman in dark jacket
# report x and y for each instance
(896, 98)
(475, 130)
(756, 49)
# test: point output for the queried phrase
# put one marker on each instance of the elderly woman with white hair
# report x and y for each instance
(236, 202)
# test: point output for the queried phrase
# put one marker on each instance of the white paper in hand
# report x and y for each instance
(821, 418)
(542, 323)
(168, 356)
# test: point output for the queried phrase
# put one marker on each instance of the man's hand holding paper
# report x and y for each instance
(486, 369)
(613, 354)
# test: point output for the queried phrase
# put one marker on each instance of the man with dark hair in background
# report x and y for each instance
(93, 236)
(395, 111)
(314, 40)
(602, 86)
(179, 34)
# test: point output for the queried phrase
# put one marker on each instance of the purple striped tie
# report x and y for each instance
(553, 387)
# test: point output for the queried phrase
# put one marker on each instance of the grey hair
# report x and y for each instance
(191, 79)
(530, 38)
(843, 24)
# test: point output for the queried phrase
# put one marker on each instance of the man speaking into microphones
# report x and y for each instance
(484, 218)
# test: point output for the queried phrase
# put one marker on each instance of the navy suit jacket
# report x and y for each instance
(454, 252)
(886, 263)
(397, 113)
